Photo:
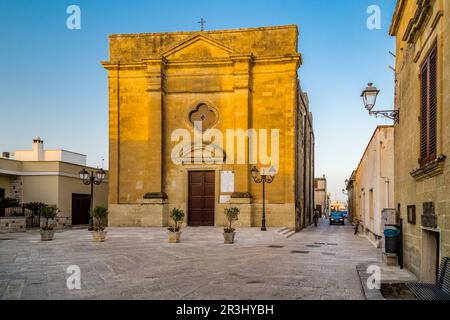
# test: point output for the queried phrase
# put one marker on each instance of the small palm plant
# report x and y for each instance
(6, 203)
(99, 215)
(35, 207)
(49, 213)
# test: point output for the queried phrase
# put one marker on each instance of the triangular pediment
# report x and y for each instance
(198, 47)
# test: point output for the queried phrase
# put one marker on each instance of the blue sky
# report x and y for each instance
(52, 84)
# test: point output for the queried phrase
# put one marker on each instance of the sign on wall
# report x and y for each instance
(224, 199)
(226, 182)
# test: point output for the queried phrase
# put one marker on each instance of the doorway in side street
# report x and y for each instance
(81, 203)
(430, 256)
(2, 195)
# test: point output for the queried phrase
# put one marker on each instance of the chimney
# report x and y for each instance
(6, 155)
(38, 149)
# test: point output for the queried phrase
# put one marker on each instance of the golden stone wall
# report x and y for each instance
(428, 23)
(247, 76)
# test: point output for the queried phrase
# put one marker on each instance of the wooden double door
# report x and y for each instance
(81, 203)
(201, 198)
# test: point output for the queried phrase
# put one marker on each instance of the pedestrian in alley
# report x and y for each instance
(316, 217)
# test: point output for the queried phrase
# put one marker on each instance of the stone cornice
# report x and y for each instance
(155, 195)
(228, 61)
(397, 17)
(108, 65)
(429, 170)
(289, 26)
(421, 15)
(241, 195)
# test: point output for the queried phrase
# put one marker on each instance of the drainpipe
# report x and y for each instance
(386, 179)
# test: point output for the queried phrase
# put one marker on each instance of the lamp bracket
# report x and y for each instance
(390, 114)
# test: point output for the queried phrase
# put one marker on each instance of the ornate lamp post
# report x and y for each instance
(263, 178)
(369, 96)
(92, 179)
(346, 185)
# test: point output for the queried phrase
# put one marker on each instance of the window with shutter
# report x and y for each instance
(428, 109)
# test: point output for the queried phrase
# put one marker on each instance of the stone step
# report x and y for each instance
(286, 232)
(290, 234)
(282, 230)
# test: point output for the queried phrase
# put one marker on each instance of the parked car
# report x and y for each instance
(337, 217)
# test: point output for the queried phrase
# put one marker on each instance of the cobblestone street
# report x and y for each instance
(318, 263)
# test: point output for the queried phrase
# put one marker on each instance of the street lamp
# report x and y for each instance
(346, 186)
(92, 179)
(369, 96)
(263, 178)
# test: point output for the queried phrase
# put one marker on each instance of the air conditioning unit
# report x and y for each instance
(389, 217)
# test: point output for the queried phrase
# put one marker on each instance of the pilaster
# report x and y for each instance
(243, 105)
(155, 74)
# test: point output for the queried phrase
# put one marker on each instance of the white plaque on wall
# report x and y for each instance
(226, 181)
(225, 199)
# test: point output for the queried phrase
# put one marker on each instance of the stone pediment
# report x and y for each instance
(198, 47)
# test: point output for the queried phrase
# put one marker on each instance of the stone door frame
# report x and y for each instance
(430, 254)
(205, 167)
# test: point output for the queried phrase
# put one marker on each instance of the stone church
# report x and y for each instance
(192, 113)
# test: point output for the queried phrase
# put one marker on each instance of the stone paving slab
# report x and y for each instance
(138, 263)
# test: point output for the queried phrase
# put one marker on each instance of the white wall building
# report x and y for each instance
(374, 182)
(321, 196)
(39, 154)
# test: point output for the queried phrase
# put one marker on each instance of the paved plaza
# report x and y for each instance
(317, 263)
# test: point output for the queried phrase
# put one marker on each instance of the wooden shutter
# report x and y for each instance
(432, 112)
(428, 109)
(424, 115)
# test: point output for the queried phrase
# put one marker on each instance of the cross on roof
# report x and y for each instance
(202, 22)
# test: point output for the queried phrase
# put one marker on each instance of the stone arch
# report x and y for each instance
(191, 155)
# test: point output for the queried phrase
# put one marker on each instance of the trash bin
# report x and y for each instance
(391, 237)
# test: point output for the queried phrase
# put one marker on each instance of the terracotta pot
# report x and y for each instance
(99, 236)
(47, 235)
(229, 237)
(174, 237)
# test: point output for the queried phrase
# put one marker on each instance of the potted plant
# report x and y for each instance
(99, 216)
(232, 215)
(35, 208)
(177, 215)
(49, 213)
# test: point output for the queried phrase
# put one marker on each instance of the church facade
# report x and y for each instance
(192, 113)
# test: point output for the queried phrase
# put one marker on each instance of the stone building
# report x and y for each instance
(422, 137)
(350, 189)
(372, 184)
(191, 113)
(321, 196)
(305, 164)
(51, 177)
